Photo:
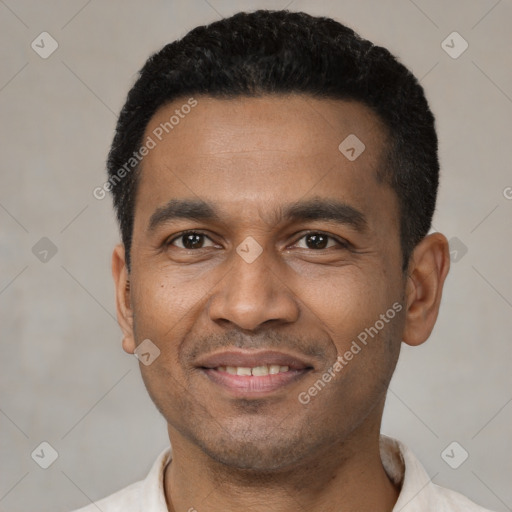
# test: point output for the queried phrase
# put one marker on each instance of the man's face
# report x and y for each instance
(264, 283)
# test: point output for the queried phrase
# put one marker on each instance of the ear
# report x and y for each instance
(123, 301)
(428, 268)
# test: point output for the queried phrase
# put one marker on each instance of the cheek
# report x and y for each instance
(164, 308)
(361, 311)
(344, 300)
(165, 301)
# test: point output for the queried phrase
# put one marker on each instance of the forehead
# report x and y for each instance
(301, 123)
(257, 152)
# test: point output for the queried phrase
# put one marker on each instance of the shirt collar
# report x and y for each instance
(152, 495)
(407, 473)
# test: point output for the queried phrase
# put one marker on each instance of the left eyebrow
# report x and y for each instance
(314, 209)
(328, 210)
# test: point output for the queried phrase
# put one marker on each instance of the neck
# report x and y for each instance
(348, 476)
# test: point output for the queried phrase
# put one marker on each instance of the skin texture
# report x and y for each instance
(250, 157)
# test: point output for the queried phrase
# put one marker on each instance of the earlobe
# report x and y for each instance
(123, 298)
(429, 266)
(128, 345)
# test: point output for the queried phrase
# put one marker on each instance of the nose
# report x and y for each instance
(253, 294)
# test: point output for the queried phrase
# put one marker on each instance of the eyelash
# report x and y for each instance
(343, 243)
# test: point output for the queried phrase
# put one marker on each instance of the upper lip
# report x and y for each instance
(253, 358)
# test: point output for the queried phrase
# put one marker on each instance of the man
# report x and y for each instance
(275, 176)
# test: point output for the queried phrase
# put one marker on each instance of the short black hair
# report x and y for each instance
(282, 52)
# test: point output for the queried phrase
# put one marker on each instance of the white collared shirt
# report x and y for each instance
(417, 494)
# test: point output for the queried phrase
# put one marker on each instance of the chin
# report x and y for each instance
(257, 447)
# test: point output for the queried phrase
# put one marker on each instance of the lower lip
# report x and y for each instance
(251, 385)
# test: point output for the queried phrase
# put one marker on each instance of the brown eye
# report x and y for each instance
(190, 240)
(319, 241)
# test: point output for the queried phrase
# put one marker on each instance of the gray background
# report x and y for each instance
(64, 376)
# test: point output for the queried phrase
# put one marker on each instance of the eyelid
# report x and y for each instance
(172, 238)
(341, 241)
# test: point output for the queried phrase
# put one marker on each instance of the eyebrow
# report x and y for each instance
(325, 209)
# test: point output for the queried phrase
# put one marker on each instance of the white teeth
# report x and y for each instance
(260, 370)
(257, 371)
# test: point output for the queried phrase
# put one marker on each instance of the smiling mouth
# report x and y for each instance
(254, 382)
(256, 371)
(246, 373)
(247, 382)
